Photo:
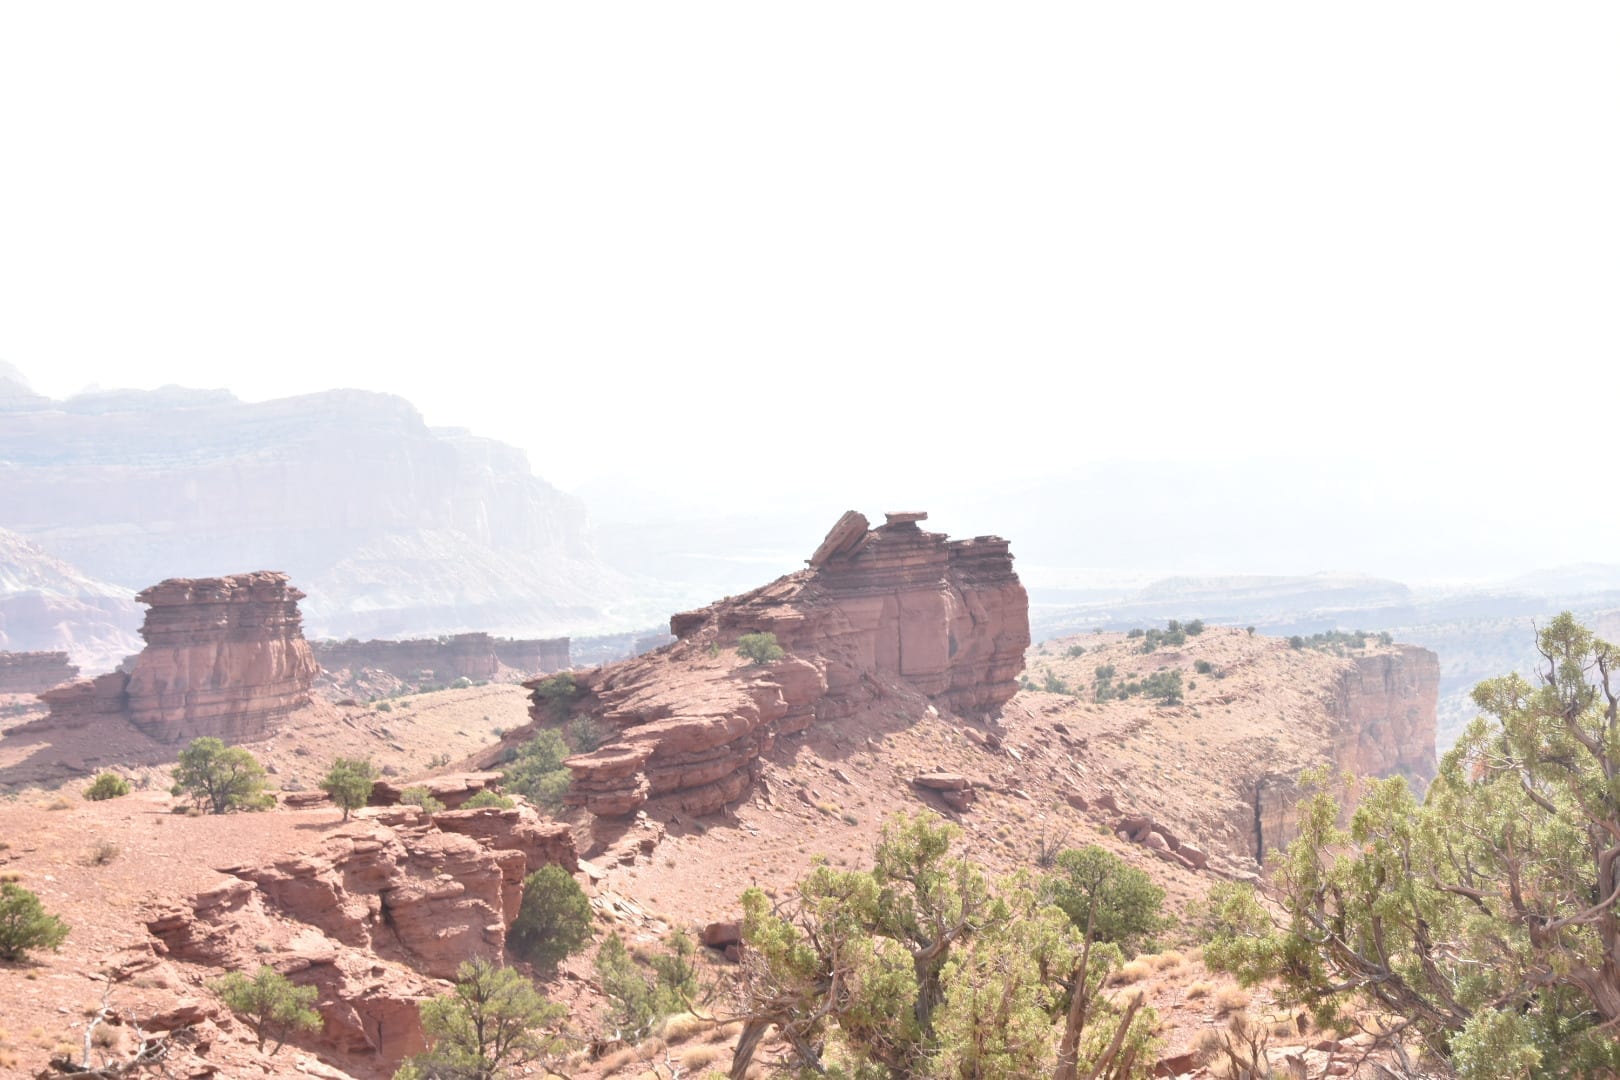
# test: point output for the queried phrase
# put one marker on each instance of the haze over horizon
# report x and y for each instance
(1351, 268)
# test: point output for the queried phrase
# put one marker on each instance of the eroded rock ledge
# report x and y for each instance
(877, 607)
(224, 656)
(378, 910)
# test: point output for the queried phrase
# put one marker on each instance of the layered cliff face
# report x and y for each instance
(31, 672)
(1208, 733)
(891, 609)
(1381, 711)
(394, 528)
(224, 657)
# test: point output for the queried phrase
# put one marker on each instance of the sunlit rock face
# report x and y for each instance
(893, 609)
(224, 656)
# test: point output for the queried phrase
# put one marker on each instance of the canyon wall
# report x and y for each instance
(890, 610)
(224, 657)
(1381, 712)
(395, 529)
(48, 605)
(31, 672)
(473, 656)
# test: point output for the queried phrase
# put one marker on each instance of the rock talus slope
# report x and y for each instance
(877, 608)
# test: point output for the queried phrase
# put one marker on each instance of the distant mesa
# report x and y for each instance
(31, 672)
(891, 614)
(473, 656)
(224, 656)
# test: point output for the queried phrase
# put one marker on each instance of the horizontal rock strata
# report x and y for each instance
(224, 657)
(31, 672)
(894, 604)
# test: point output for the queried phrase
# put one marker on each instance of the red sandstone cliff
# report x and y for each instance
(877, 609)
(224, 657)
(1381, 715)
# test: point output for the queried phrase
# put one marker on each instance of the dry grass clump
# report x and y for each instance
(1200, 989)
(1206, 1045)
(726, 1033)
(1231, 999)
(680, 1027)
(1166, 960)
(701, 1056)
(1132, 971)
(101, 853)
(617, 1060)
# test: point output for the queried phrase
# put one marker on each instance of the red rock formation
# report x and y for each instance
(892, 604)
(224, 657)
(381, 903)
(1386, 707)
(31, 672)
(1383, 713)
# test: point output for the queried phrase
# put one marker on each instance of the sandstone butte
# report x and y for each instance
(878, 610)
(224, 656)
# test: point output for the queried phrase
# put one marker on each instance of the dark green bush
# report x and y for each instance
(24, 925)
(760, 649)
(554, 920)
(109, 785)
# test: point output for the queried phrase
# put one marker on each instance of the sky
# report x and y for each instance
(890, 247)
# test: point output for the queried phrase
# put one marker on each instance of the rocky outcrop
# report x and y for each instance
(473, 656)
(542, 843)
(451, 789)
(379, 909)
(1385, 706)
(31, 672)
(224, 657)
(1382, 715)
(893, 606)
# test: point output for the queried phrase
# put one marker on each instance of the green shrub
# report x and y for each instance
(421, 796)
(488, 798)
(554, 920)
(1194, 627)
(556, 694)
(348, 783)
(1120, 902)
(584, 734)
(109, 785)
(639, 998)
(1203, 667)
(383, 706)
(490, 1028)
(270, 1004)
(537, 771)
(760, 649)
(220, 778)
(24, 924)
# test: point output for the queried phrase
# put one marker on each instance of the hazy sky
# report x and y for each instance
(891, 245)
